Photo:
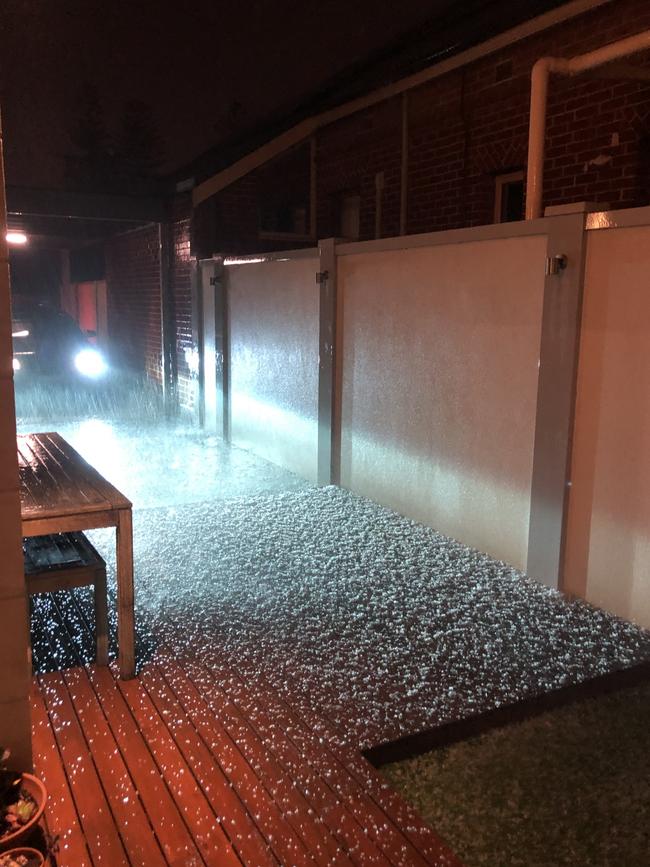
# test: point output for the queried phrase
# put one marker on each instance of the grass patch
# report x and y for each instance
(570, 787)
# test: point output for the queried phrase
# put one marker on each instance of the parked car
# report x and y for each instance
(49, 343)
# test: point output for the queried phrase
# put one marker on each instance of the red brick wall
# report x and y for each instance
(181, 283)
(228, 222)
(133, 278)
(471, 125)
(133, 282)
(349, 155)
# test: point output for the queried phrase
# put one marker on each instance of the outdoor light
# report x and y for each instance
(23, 333)
(89, 362)
(16, 238)
(16, 364)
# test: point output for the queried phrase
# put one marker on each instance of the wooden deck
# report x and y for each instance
(187, 765)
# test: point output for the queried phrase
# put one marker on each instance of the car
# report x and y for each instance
(47, 343)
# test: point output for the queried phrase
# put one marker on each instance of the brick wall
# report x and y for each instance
(182, 290)
(467, 127)
(133, 279)
(349, 155)
(464, 129)
(133, 282)
(470, 125)
(227, 221)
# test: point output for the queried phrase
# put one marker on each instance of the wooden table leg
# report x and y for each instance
(125, 619)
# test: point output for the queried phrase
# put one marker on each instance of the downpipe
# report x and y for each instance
(538, 105)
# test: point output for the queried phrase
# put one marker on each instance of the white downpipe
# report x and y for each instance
(537, 137)
(538, 100)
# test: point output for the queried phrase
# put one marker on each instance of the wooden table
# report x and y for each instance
(61, 492)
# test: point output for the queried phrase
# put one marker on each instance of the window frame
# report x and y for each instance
(501, 181)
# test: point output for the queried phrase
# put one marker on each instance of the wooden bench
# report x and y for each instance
(61, 561)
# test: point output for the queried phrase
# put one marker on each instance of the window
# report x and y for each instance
(283, 218)
(350, 217)
(283, 195)
(509, 197)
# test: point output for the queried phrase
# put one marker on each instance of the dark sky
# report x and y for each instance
(208, 69)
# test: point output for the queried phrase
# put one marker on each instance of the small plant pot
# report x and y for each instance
(36, 858)
(34, 787)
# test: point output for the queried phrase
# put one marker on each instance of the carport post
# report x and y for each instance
(328, 412)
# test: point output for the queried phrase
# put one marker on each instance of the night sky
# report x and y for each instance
(208, 69)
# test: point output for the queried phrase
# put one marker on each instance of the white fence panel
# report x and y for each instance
(608, 538)
(440, 369)
(273, 323)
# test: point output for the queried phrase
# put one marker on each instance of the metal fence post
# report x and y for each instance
(222, 347)
(556, 392)
(328, 415)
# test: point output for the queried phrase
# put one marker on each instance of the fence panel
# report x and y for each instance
(273, 323)
(441, 350)
(608, 533)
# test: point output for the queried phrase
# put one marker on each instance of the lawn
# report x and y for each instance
(569, 787)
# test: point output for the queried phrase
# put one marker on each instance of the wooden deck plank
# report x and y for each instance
(61, 811)
(141, 847)
(164, 815)
(356, 782)
(251, 801)
(102, 837)
(422, 841)
(277, 740)
(224, 771)
(219, 775)
(209, 836)
(231, 728)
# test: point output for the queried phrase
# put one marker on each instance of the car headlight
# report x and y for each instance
(89, 362)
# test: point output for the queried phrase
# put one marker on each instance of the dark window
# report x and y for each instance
(349, 216)
(283, 216)
(283, 194)
(509, 197)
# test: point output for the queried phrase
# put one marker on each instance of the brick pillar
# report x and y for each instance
(15, 723)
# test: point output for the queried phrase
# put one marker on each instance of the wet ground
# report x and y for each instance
(154, 462)
(351, 611)
(376, 622)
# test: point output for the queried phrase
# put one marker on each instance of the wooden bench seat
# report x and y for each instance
(61, 561)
